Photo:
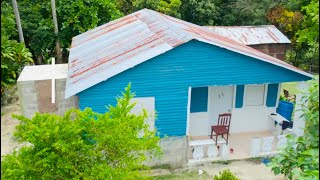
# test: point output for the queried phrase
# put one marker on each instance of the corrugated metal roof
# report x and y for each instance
(112, 48)
(252, 35)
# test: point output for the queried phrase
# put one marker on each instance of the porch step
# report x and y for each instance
(192, 162)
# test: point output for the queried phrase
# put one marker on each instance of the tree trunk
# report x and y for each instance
(55, 23)
(18, 21)
(39, 59)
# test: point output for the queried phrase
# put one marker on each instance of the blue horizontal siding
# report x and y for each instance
(168, 76)
(199, 100)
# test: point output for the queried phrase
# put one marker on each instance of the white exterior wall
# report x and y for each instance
(245, 119)
(248, 119)
(251, 119)
(299, 120)
(198, 124)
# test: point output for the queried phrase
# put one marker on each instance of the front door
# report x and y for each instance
(220, 101)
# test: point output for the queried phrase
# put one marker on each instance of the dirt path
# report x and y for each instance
(243, 169)
(8, 124)
(247, 170)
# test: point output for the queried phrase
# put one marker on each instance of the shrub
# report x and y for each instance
(83, 145)
(300, 158)
(225, 175)
(283, 98)
(14, 55)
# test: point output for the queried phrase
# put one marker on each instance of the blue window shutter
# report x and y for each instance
(272, 95)
(199, 99)
(239, 96)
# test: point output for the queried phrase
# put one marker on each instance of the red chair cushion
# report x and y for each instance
(219, 129)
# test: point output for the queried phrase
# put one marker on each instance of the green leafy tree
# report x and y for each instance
(246, 12)
(203, 12)
(169, 7)
(8, 25)
(300, 158)
(14, 56)
(74, 18)
(287, 21)
(83, 144)
(299, 20)
(38, 28)
(309, 34)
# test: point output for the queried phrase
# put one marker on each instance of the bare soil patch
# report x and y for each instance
(243, 169)
(8, 126)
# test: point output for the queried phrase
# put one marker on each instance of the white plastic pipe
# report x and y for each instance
(53, 86)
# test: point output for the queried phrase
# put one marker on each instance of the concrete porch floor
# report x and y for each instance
(240, 143)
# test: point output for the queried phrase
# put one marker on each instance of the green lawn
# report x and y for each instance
(291, 87)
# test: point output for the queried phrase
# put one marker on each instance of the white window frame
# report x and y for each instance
(264, 95)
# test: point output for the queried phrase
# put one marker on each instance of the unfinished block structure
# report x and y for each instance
(35, 90)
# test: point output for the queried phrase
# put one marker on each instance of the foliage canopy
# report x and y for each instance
(296, 18)
(300, 158)
(83, 144)
(14, 55)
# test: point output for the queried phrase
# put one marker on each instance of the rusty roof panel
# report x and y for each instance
(252, 35)
(110, 49)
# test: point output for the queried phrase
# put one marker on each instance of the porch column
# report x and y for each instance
(298, 121)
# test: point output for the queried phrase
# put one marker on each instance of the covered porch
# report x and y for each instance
(253, 131)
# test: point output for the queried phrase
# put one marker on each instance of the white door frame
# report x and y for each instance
(209, 110)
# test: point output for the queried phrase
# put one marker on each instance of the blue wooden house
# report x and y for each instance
(185, 72)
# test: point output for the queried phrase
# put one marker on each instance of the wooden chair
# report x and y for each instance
(222, 128)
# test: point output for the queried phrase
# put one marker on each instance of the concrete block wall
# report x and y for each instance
(28, 98)
(174, 152)
(275, 50)
(62, 103)
(33, 95)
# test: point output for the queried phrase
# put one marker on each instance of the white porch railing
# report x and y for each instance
(207, 151)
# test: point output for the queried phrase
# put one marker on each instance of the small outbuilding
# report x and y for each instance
(41, 89)
(265, 38)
